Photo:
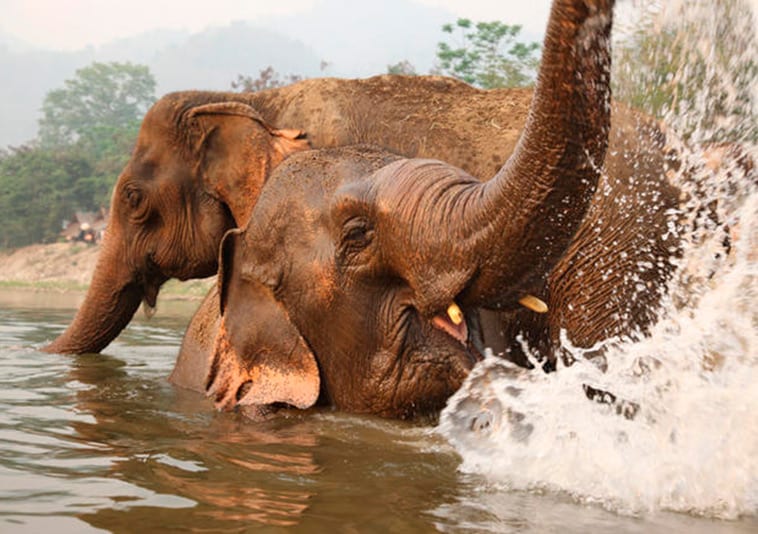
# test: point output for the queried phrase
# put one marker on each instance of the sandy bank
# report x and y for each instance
(68, 267)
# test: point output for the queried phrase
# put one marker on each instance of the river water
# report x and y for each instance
(104, 442)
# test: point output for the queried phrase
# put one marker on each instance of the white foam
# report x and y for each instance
(692, 446)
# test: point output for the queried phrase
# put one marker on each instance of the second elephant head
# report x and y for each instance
(199, 163)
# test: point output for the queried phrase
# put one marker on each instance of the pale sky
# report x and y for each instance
(73, 24)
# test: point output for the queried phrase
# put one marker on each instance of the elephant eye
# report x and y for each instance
(133, 197)
(357, 234)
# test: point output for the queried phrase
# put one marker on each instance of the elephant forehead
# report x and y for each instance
(277, 223)
(160, 165)
(287, 205)
(313, 176)
(309, 261)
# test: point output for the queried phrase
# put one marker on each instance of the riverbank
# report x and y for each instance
(68, 268)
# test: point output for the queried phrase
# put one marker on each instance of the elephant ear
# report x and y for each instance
(289, 140)
(236, 150)
(240, 109)
(259, 358)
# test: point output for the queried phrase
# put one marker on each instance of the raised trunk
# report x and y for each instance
(522, 220)
(111, 301)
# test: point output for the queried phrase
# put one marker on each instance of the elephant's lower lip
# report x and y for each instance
(458, 332)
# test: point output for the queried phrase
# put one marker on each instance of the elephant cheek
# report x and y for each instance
(444, 367)
(187, 245)
(321, 280)
(420, 387)
(427, 394)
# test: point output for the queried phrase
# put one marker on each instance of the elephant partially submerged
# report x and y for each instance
(199, 174)
(360, 272)
(197, 163)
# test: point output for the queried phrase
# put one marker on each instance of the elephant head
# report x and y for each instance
(199, 162)
(370, 267)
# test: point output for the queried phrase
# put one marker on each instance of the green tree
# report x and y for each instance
(696, 68)
(38, 189)
(86, 135)
(100, 101)
(96, 116)
(488, 54)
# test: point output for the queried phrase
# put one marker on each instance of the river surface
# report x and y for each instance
(104, 443)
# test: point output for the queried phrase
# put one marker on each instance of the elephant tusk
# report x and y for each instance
(533, 303)
(455, 314)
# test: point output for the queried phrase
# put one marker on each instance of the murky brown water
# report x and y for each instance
(104, 442)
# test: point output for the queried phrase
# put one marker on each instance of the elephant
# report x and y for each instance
(623, 250)
(201, 158)
(414, 116)
(197, 161)
(357, 279)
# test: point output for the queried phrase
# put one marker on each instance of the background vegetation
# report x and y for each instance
(86, 135)
(661, 67)
(701, 55)
(487, 54)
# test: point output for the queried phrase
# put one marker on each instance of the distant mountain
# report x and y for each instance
(27, 77)
(143, 47)
(356, 39)
(13, 43)
(211, 59)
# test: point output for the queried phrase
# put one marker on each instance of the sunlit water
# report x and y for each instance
(104, 442)
(693, 445)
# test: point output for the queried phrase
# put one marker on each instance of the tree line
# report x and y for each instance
(89, 125)
(86, 134)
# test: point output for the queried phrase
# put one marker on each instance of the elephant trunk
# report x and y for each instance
(523, 219)
(111, 301)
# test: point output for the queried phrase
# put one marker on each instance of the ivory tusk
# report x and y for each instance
(455, 313)
(533, 303)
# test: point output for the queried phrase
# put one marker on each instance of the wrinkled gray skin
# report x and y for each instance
(353, 255)
(216, 179)
(601, 287)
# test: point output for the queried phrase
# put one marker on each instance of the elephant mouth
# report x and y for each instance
(453, 322)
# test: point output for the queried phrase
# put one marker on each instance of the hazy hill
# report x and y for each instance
(355, 38)
(213, 58)
(178, 60)
(27, 76)
(12, 43)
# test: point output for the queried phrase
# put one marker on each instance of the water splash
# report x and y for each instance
(676, 427)
(692, 445)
